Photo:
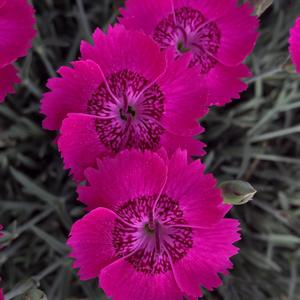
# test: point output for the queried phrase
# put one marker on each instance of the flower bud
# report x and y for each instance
(237, 192)
(289, 67)
(261, 6)
(35, 294)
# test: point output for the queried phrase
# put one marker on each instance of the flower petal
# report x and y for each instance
(225, 83)
(120, 50)
(193, 146)
(209, 256)
(127, 176)
(200, 200)
(8, 77)
(16, 23)
(212, 10)
(79, 144)
(136, 12)
(295, 44)
(122, 282)
(70, 93)
(180, 82)
(239, 32)
(91, 242)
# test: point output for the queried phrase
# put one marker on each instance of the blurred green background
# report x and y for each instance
(256, 139)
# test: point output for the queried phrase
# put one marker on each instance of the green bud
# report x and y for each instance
(35, 294)
(237, 192)
(289, 67)
(261, 6)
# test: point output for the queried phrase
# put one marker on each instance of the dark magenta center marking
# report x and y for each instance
(152, 241)
(131, 110)
(186, 29)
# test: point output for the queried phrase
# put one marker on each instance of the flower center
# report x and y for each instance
(151, 236)
(125, 115)
(129, 111)
(182, 48)
(187, 30)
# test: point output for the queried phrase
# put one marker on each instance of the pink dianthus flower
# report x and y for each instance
(156, 229)
(16, 34)
(295, 44)
(124, 93)
(218, 33)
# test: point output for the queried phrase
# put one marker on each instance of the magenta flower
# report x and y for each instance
(16, 34)
(8, 77)
(156, 230)
(295, 44)
(1, 294)
(124, 94)
(217, 33)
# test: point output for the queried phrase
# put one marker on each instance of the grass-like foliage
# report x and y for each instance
(256, 139)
